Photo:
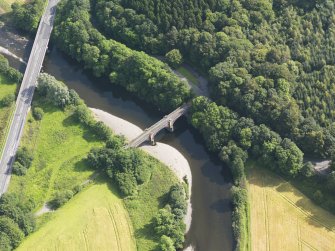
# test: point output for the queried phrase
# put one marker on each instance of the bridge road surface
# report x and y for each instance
(26, 93)
(163, 123)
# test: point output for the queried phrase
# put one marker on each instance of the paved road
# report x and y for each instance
(163, 123)
(26, 93)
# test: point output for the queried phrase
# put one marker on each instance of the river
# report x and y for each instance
(211, 219)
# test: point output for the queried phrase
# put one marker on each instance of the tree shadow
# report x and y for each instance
(221, 206)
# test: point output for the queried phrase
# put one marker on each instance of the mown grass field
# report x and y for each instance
(282, 218)
(95, 219)
(59, 144)
(6, 88)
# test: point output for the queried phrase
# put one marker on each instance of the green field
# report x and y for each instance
(5, 112)
(59, 144)
(95, 219)
(282, 218)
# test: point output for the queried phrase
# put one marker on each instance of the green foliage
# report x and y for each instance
(27, 17)
(54, 91)
(174, 58)
(61, 198)
(7, 100)
(165, 223)
(150, 79)
(38, 113)
(24, 157)
(235, 138)
(128, 168)
(19, 169)
(23, 160)
(16, 220)
(240, 217)
(166, 244)
(11, 73)
(12, 230)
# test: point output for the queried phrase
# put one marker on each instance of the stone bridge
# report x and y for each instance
(166, 122)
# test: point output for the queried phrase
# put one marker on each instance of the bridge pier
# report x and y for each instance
(152, 139)
(170, 126)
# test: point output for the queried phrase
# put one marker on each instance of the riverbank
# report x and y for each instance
(163, 152)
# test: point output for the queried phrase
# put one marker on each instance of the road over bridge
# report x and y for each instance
(26, 93)
(166, 122)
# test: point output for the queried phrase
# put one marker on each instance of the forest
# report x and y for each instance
(269, 61)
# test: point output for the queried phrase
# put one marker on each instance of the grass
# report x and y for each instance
(187, 74)
(282, 218)
(59, 145)
(95, 219)
(5, 5)
(6, 87)
(145, 206)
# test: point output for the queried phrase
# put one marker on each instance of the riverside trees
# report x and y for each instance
(150, 79)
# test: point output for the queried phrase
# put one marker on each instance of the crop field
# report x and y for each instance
(95, 219)
(282, 218)
(59, 144)
(5, 112)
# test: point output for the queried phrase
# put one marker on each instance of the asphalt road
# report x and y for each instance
(26, 93)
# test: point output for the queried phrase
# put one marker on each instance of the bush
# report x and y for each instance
(61, 198)
(174, 58)
(12, 230)
(38, 113)
(240, 217)
(166, 244)
(318, 196)
(177, 201)
(19, 169)
(24, 157)
(126, 183)
(7, 100)
(308, 170)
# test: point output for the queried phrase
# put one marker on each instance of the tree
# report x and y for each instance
(12, 230)
(166, 244)
(174, 58)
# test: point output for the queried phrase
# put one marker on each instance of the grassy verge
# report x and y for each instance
(282, 218)
(6, 87)
(95, 219)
